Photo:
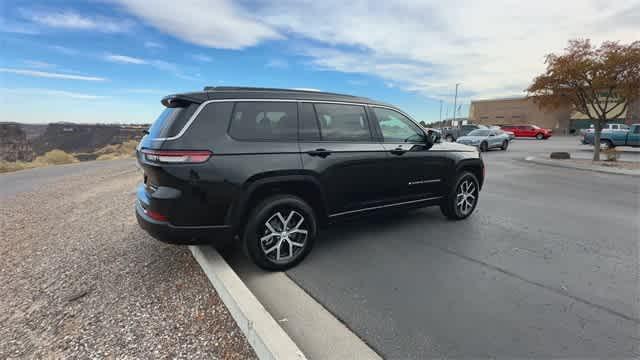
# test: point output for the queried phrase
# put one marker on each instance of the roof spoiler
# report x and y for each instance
(173, 101)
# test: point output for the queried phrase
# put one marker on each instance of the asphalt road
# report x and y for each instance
(546, 267)
(29, 180)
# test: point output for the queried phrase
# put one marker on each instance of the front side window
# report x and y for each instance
(342, 122)
(480, 132)
(396, 127)
(264, 121)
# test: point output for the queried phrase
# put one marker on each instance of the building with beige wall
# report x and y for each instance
(524, 111)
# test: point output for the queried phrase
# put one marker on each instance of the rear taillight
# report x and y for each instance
(155, 215)
(176, 156)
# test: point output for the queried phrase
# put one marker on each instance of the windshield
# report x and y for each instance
(480, 132)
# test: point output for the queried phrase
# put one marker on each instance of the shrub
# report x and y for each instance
(117, 151)
(55, 157)
(8, 166)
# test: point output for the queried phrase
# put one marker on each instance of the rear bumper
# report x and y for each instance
(166, 232)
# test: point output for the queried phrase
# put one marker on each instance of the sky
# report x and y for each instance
(113, 60)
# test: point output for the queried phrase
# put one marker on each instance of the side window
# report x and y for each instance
(264, 121)
(396, 127)
(636, 130)
(342, 122)
(309, 129)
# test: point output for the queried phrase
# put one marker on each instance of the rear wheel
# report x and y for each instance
(484, 147)
(462, 198)
(505, 145)
(280, 232)
(540, 136)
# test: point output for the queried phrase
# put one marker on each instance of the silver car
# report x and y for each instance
(486, 139)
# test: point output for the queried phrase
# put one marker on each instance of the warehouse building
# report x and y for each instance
(523, 110)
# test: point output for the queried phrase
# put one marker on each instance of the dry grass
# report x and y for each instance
(117, 151)
(53, 157)
(58, 157)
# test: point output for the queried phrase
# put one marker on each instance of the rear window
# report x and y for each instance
(264, 121)
(171, 121)
(343, 122)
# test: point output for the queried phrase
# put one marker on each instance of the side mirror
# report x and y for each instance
(430, 138)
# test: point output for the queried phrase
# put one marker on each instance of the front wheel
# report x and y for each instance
(280, 232)
(462, 198)
(484, 147)
(540, 136)
(505, 145)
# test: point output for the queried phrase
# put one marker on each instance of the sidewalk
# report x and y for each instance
(584, 164)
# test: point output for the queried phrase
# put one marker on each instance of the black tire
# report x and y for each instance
(505, 145)
(265, 253)
(449, 138)
(540, 136)
(449, 205)
(484, 147)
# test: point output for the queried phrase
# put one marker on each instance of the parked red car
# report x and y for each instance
(528, 131)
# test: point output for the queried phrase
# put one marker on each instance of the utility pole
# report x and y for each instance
(440, 111)
(455, 100)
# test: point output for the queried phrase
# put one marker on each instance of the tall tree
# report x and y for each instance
(598, 82)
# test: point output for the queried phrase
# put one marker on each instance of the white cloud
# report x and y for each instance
(51, 92)
(52, 75)
(211, 23)
(277, 64)
(38, 64)
(71, 20)
(123, 59)
(64, 50)
(202, 58)
(493, 48)
(153, 45)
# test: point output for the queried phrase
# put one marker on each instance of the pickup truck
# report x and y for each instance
(610, 138)
(605, 127)
(452, 134)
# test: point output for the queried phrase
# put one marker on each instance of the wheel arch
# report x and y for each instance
(304, 186)
(474, 166)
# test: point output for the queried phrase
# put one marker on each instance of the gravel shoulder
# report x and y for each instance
(80, 279)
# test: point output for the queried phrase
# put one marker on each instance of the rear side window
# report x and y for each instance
(264, 121)
(343, 122)
(171, 121)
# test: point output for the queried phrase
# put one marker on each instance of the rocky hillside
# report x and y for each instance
(14, 145)
(22, 142)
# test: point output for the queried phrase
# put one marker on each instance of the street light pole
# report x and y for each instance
(440, 112)
(455, 101)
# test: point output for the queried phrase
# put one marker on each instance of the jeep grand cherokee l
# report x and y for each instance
(270, 167)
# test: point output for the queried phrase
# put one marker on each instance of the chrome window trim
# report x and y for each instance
(205, 103)
(386, 206)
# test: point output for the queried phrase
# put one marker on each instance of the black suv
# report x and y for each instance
(272, 166)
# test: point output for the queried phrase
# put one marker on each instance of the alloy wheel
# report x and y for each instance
(284, 236)
(466, 196)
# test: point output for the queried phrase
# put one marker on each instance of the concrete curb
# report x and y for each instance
(558, 163)
(268, 339)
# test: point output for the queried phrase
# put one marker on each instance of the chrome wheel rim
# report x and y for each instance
(284, 236)
(466, 196)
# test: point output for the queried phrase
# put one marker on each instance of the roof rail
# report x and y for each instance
(248, 88)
